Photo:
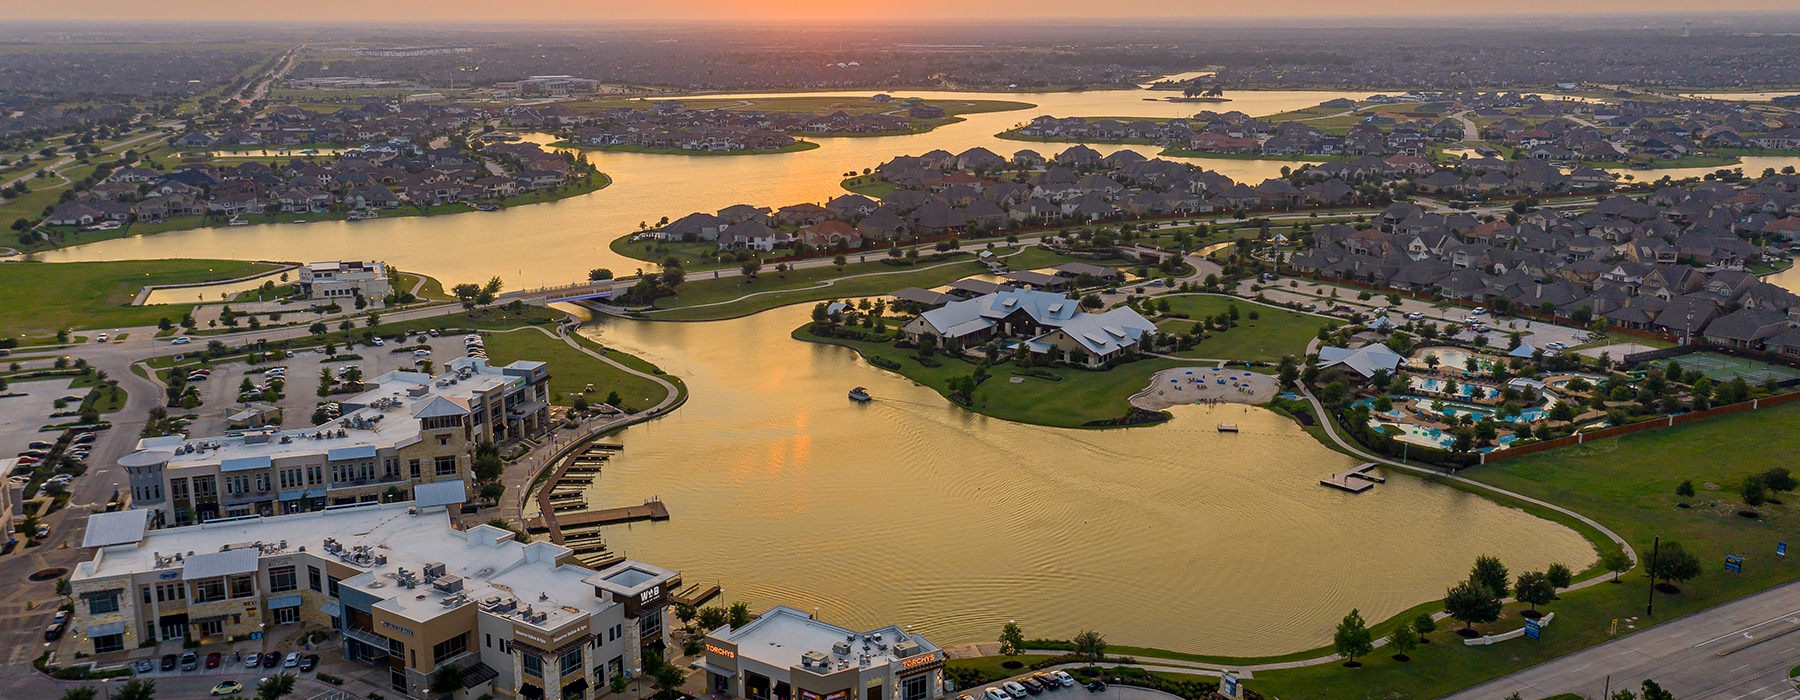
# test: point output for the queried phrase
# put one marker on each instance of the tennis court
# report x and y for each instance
(1726, 368)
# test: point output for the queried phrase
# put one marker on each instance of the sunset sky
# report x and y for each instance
(828, 10)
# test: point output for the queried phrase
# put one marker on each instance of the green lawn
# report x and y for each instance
(1081, 396)
(868, 186)
(802, 285)
(1272, 335)
(38, 299)
(571, 370)
(694, 256)
(1628, 484)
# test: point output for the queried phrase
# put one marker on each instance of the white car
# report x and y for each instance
(1064, 678)
(181, 340)
(292, 660)
(1014, 689)
(1479, 310)
(1416, 315)
(100, 338)
(995, 694)
(377, 342)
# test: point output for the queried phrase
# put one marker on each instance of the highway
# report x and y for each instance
(1741, 650)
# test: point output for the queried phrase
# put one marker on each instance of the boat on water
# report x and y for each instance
(1228, 427)
(860, 395)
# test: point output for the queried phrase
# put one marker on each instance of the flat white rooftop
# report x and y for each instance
(781, 636)
(380, 540)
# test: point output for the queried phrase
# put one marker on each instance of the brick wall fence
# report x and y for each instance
(1653, 424)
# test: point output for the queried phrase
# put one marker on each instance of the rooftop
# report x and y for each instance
(783, 636)
(383, 416)
(394, 545)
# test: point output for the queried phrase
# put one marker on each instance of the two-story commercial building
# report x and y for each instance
(408, 428)
(786, 654)
(407, 590)
(343, 281)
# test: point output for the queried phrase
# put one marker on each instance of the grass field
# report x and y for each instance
(868, 186)
(1627, 484)
(1080, 396)
(1272, 335)
(774, 289)
(571, 370)
(38, 299)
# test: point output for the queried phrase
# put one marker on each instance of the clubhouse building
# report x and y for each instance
(786, 654)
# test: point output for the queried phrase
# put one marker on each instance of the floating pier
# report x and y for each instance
(1357, 480)
(650, 510)
(695, 595)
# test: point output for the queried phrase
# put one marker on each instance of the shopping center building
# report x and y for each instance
(406, 590)
(406, 428)
(786, 654)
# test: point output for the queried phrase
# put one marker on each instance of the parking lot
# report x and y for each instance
(21, 416)
(1079, 690)
(219, 392)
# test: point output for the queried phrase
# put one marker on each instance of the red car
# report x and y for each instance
(212, 660)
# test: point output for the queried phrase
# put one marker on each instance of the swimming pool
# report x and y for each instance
(1463, 389)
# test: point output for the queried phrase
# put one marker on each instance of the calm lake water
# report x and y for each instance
(909, 510)
(558, 242)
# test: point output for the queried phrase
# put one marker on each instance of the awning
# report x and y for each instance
(276, 602)
(298, 494)
(106, 629)
(715, 670)
(331, 608)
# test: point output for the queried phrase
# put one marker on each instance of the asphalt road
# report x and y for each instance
(1741, 650)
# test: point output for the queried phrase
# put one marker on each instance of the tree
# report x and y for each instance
(599, 273)
(1403, 641)
(1685, 489)
(713, 617)
(1779, 480)
(1012, 641)
(1352, 639)
(1559, 575)
(1534, 588)
(740, 615)
(1753, 491)
(1424, 625)
(686, 613)
(139, 689)
(668, 677)
(1472, 602)
(1652, 691)
(467, 293)
(1090, 646)
(489, 291)
(1617, 562)
(86, 692)
(1489, 572)
(1674, 564)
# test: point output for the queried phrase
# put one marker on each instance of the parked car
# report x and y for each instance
(169, 661)
(271, 660)
(1014, 689)
(53, 633)
(376, 342)
(227, 688)
(1050, 682)
(253, 661)
(1063, 677)
(61, 617)
(143, 666)
(292, 660)
(213, 659)
(309, 662)
(1031, 685)
(995, 694)
(1479, 310)
(82, 438)
(38, 445)
(1416, 315)
(1096, 687)
(100, 338)
(189, 660)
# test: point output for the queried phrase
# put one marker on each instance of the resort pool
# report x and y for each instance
(1465, 390)
(1455, 359)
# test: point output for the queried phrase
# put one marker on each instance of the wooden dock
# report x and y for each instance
(1357, 480)
(650, 510)
(695, 595)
